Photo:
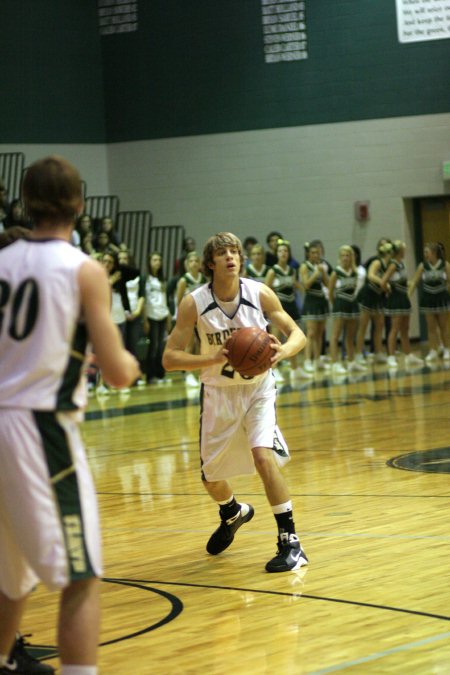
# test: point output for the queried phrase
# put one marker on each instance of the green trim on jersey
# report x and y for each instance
(73, 372)
(66, 491)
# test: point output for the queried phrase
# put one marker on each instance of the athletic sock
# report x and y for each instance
(78, 670)
(284, 517)
(229, 508)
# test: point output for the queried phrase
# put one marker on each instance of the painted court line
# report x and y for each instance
(380, 655)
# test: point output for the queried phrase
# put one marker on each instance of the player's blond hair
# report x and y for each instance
(218, 241)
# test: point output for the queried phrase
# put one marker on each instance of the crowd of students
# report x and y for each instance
(352, 295)
(336, 303)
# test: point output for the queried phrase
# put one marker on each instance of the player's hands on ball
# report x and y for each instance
(277, 347)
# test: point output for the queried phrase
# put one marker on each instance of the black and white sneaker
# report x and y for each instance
(224, 535)
(290, 555)
(23, 663)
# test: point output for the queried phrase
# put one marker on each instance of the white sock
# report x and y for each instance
(227, 501)
(78, 670)
(282, 508)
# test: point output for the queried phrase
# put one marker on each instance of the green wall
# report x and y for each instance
(51, 72)
(197, 66)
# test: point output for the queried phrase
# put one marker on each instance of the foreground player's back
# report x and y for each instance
(42, 341)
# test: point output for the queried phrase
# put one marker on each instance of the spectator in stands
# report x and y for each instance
(188, 247)
(272, 243)
(248, 244)
(3, 203)
(192, 279)
(106, 225)
(87, 245)
(135, 290)
(157, 318)
(103, 244)
(16, 216)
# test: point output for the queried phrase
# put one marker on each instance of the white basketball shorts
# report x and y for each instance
(49, 525)
(235, 419)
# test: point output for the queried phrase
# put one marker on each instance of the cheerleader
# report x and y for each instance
(256, 268)
(314, 278)
(345, 310)
(371, 303)
(192, 279)
(283, 279)
(434, 277)
(398, 307)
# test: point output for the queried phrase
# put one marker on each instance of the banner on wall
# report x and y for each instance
(419, 20)
(284, 30)
(117, 16)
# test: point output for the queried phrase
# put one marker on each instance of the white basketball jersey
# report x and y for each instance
(42, 341)
(214, 327)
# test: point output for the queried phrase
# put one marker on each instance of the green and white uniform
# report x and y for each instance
(284, 287)
(49, 528)
(253, 273)
(315, 304)
(433, 293)
(345, 305)
(397, 302)
(371, 296)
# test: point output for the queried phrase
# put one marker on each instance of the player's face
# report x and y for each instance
(155, 263)
(226, 261)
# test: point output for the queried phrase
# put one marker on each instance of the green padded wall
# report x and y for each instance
(197, 66)
(51, 81)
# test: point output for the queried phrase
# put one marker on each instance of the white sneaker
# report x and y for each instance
(321, 364)
(382, 358)
(191, 381)
(338, 369)
(360, 359)
(392, 362)
(102, 390)
(446, 354)
(140, 383)
(411, 360)
(431, 356)
(355, 366)
(299, 373)
(279, 379)
(308, 366)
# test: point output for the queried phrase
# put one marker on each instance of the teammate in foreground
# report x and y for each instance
(53, 298)
(238, 422)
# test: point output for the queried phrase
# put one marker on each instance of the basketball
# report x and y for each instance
(249, 351)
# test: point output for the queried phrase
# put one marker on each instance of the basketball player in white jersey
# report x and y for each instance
(53, 299)
(238, 430)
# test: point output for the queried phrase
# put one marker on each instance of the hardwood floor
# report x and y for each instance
(375, 597)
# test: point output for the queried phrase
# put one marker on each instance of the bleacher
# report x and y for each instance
(134, 228)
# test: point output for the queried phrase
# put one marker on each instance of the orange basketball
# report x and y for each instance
(249, 351)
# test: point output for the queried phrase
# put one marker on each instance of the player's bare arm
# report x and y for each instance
(119, 368)
(296, 339)
(175, 357)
